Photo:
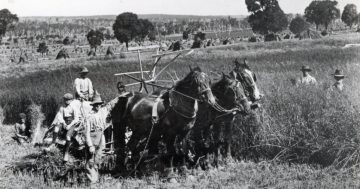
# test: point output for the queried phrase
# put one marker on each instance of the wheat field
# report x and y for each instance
(301, 137)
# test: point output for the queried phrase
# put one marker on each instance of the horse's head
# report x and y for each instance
(230, 93)
(248, 80)
(197, 85)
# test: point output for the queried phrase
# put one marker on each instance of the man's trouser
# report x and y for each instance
(94, 159)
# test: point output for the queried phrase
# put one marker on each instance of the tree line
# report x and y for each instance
(266, 17)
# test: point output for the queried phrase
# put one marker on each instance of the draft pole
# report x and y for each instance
(153, 71)
(141, 71)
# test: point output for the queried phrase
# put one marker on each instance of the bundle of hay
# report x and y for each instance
(62, 54)
(91, 53)
(272, 37)
(110, 51)
(35, 118)
(253, 39)
(177, 46)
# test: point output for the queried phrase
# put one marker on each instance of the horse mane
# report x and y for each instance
(195, 77)
(222, 85)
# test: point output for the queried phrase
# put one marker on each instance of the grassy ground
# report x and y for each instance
(266, 174)
(301, 126)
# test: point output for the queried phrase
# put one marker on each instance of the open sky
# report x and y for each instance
(114, 7)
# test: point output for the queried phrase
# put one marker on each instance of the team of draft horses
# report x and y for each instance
(159, 124)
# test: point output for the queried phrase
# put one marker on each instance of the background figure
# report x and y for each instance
(339, 77)
(307, 79)
(21, 130)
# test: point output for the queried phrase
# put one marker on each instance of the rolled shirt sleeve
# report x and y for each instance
(91, 89)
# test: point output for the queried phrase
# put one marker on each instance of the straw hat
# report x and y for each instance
(338, 74)
(84, 70)
(306, 68)
(68, 96)
(96, 99)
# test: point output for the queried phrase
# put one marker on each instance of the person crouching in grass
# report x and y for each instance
(21, 133)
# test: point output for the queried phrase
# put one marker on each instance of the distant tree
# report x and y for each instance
(322, 12)
(95, 38)
(266, 16)
(62, 54)
(67, 41)
(145, 29)
(42, 48)
(349, 15)
(298, 25)
(7, 21)
(127, 27)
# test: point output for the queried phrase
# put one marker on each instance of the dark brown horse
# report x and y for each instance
(175, 111)
(212, 122)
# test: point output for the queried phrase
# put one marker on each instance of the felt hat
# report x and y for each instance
(338, 74)
(22, 116)
(306, 68)
(68, 96)
(96, 99)
(84, 70)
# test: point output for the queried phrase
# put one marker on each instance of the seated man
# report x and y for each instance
(83, 86)
(20, 130)
(67, 118)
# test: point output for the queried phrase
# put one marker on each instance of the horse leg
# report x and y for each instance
(228, 138)
(216, 144)
(119, 145)
(169, 162)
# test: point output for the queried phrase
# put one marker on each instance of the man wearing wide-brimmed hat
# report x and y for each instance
(307, 79)
(83, 86)
(95, 124)
(339, 77)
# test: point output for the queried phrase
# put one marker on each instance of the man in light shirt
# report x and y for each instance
(83, 86)
(95, 124)
(67, 118)
(307, 79)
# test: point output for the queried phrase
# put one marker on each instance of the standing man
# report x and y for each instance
(339, 77)
(83, 86)
(95, 124)
(307, 79)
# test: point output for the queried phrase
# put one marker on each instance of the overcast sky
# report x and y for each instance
(114, 7)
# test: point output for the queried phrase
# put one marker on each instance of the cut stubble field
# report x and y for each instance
(304, 137)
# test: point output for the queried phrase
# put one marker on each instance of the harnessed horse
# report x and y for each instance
(235, 91)
(212, 121)
(175, 111)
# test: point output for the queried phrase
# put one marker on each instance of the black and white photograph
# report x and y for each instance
(180, 94)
